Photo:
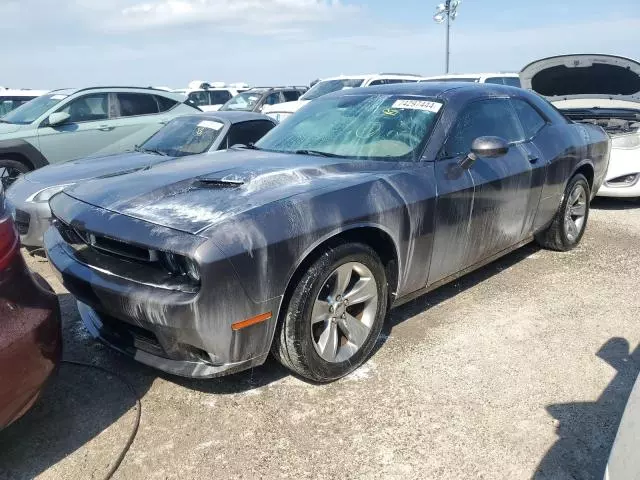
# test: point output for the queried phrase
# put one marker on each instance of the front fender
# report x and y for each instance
(22, 148)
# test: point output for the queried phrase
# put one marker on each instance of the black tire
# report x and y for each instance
(10, 170)
(556, 236)
(294, 345)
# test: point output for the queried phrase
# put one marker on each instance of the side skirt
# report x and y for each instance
(450, 278)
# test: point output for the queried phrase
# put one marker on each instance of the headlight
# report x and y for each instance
(626, 141)
(44, 195)
(179, 265)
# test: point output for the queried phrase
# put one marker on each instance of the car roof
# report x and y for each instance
(123, 89)
(440, 90)
(232, 117)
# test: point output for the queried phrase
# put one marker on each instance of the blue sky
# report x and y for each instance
(64, 43)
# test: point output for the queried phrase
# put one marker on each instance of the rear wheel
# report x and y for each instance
(335, 314)
(568, 225)
(10, 170)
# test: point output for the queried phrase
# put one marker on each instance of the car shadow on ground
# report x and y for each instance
(612, 203)
(586, 430)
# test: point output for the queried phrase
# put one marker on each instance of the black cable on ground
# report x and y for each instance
(136, 424)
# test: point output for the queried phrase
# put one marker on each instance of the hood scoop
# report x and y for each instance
(218, 183)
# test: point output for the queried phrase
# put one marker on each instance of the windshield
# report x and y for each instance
(184, 136)
(372, 127)
(328, 86)
(33, 109)
(243, 101)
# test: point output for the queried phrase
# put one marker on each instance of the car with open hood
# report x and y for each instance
(603, 90)
(186, 135)
(299, 244)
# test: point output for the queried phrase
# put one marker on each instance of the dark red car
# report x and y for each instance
(30, 331)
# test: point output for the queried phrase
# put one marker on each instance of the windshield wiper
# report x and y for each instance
(317, 153)
(3, 121)
(150, 150)
(248, 146)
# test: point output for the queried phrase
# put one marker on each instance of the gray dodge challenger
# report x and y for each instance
(301, 243)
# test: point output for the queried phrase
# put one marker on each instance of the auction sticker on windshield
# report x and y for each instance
(425, 105)
(210, 124)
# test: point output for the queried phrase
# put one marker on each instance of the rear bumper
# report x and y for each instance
(31, 349)
(187, 334)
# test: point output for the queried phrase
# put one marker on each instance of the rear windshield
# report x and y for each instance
(329, 86)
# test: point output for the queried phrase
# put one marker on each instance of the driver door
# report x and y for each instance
(481, 210)
(87, 131)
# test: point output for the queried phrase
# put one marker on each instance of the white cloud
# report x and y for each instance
(251, 16)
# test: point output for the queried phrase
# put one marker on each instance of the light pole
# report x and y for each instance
(448, 12)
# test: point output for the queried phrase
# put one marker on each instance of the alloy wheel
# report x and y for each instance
(344, 312)
(575, 212)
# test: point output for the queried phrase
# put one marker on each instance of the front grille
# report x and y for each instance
(131, 337)
(22, 221)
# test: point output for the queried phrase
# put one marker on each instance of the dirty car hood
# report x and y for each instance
(194, 193)
(584, 76)
(92, 167)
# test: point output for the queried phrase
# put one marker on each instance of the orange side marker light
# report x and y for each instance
(263, 317)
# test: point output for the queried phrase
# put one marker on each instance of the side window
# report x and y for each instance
(248, 132)
(532, 122)
(88, 108)
(133, 104)
(199, 98)
(498, 80)
(491, 117)
(291, 95)
(219, 97)
(273, 99)
(165, 103)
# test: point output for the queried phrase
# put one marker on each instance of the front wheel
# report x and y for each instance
(334, 315)
(10, 170)
(568, 225)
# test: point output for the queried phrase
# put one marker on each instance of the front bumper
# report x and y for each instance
(187, 334)
(30, 340)
(621, 163)
(32, 219)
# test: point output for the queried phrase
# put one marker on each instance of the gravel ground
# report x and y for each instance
(519, 370)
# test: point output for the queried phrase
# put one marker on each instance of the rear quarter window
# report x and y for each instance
(165, 104)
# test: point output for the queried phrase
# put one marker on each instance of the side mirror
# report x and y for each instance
(58, 118)
(485, 147)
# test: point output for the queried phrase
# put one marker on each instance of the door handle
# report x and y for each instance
(533, 159)
(105, 128)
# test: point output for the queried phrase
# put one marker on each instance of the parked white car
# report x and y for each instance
(329, 85)
(501, 78)
(210, 96)
(603, 90)
(11, 99)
